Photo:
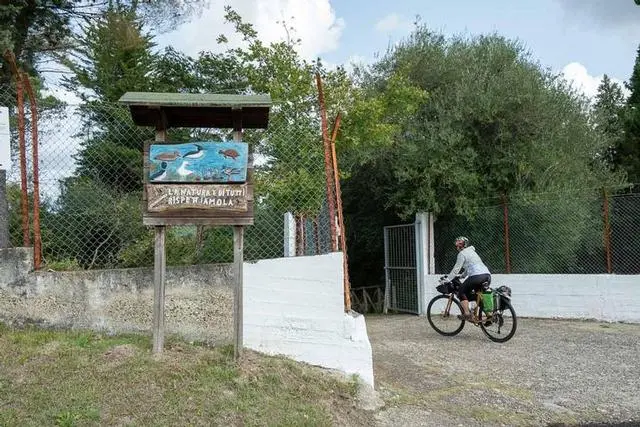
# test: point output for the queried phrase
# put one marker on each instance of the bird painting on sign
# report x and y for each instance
(206, 162)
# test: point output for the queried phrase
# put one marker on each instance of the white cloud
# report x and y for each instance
(609, 14)
(388, 23)
(578, 75)
(314, 21)
(392, 22)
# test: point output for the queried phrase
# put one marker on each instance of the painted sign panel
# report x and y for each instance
(208, 162)
(5, 138)
(231, 197)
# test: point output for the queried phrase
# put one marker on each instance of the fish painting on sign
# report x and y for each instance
(207, 162)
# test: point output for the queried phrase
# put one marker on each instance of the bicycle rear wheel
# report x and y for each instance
(501, 325)
(443, 321)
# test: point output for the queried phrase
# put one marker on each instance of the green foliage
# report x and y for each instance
(31, 29)
(41, 30)
(607, 116)
(81, 212)
(114, 57)
(453, 124)
(626, 156)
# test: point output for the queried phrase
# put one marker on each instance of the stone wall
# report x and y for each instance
(292, 306)
(198, 298)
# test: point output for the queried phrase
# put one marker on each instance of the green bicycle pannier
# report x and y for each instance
(487, 302)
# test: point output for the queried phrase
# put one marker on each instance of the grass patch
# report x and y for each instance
(497, 416)
(84, 378)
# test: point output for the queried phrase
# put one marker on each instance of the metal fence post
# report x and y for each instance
(507, 249)
(607, 229)
(387, 282)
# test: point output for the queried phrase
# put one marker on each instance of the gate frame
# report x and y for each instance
(425, 260)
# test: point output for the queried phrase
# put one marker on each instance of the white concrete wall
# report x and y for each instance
(294, 307)
(602, 297)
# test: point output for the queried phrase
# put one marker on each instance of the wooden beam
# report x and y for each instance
(197, 220)
(159, 269)
(238, 255)
(238, 260)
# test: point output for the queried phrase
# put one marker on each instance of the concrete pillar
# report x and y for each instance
(4, 211)
(289, 235)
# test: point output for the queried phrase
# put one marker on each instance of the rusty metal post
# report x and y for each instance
(607, 230)
(327, 166)
(37, 238)
(343, 238)
(507, 249)
(24, 201)
(316, 236)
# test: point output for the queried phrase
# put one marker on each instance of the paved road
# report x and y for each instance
(551, 372)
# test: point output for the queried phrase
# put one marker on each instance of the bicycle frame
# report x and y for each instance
(476, 308)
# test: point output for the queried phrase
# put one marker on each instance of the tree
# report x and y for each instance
(43, 30)
(626, 156)
(485, 122)
(607, 115)
(115, 57)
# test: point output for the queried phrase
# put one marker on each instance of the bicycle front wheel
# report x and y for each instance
(501, 325)
(443, 317)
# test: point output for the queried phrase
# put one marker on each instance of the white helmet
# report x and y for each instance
(464, 240)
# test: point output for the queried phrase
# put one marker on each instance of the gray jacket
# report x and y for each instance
(469, 262)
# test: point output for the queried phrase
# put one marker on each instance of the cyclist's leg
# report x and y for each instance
(463, 295)
(475, 282)
(472, 283)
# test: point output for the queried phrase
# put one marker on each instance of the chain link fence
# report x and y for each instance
(90, 179)
(590, 233)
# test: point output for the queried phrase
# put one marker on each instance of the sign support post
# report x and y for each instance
(197, 183)
(159, 270)
(238, 254)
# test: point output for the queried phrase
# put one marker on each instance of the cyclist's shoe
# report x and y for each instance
(488, 323)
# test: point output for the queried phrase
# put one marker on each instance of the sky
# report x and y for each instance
(584, 39)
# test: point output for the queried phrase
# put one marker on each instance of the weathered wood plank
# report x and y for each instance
(159, 269)
(216, 221)
(219, 197)
(238, 260)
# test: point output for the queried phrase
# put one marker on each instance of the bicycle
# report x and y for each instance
(490, 309)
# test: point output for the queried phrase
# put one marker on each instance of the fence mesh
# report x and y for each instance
(556, 234)
(90, 175)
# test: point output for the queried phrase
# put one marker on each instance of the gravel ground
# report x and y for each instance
(552, 372)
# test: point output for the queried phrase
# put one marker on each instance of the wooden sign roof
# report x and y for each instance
(172, 110)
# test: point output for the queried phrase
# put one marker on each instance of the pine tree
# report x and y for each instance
(607, 115)
(627, 154)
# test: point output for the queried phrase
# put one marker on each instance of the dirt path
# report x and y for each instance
(563, 372)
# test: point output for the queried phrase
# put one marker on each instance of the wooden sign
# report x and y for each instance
(206, 162)
(197, 183)
(164, 197)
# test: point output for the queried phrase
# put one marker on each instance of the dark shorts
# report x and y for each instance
(472, 283)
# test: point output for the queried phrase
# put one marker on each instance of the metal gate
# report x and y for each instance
(401, 269)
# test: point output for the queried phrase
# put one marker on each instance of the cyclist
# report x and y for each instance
(475, 270)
